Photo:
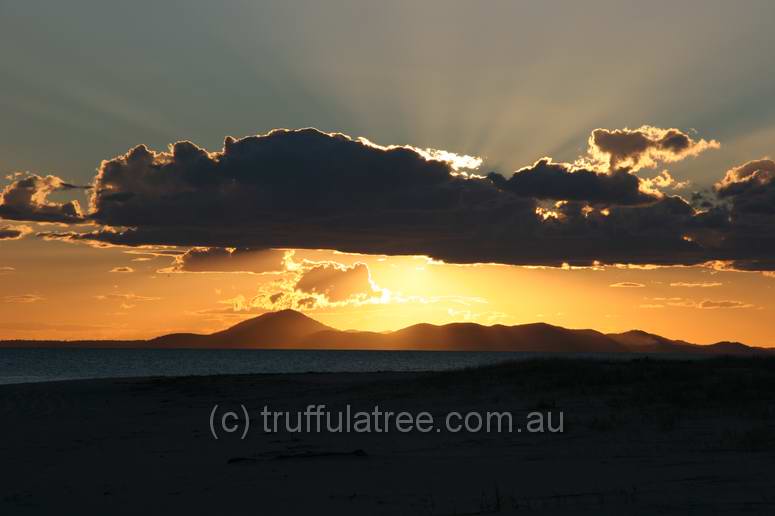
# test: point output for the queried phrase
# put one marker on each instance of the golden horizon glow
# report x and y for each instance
(702, 304)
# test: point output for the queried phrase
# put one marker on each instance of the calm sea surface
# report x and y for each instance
(42, 365)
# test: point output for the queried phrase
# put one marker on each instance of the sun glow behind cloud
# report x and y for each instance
(400, 291)
(384, 292)
(421, 73)
(458, 162)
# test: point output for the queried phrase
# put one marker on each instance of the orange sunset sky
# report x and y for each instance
(82, 298)
(621, 179)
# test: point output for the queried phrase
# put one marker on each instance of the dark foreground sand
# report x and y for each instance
(642, 437)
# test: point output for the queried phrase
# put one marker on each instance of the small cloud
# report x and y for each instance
(122, 269)
(490, 317)
(14, 232)
(658, 183)
(707, 304)
(712, 305)
(23, 298)
(677, 302)
(26, 198)
(704, 284)
(126, 297)
(627, 284)
(6, 270)
(644, 147)
(318, 285)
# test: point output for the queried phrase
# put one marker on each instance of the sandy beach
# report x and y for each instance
(640, 437)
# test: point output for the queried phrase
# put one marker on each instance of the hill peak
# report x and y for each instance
(280, 328)
(287, 313)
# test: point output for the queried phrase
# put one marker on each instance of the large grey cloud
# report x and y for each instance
(307, 189)
(306, 172)
(303, 189)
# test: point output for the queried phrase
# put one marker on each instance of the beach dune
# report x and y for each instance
(640, 437)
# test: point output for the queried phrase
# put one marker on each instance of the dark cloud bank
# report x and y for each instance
(308, 189)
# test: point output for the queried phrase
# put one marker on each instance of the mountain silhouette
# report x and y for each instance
(526, 337)
(644, 342)
(288, 329)
(283, 329)
(638, 340)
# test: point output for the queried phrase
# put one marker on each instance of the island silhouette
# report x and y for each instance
(289, 329)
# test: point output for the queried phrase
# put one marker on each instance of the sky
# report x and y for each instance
(605, 165)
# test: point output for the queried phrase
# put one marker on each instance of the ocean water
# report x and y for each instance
(42, 365)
